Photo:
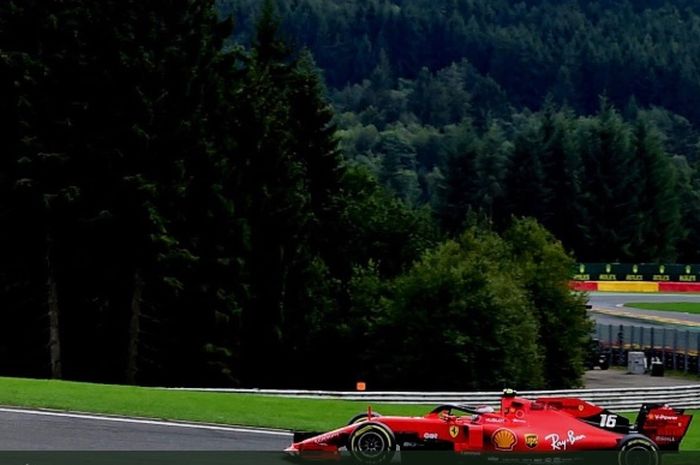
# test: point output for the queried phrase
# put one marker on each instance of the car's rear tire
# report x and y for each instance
(637, 449)
(360, 417)
(372, 443)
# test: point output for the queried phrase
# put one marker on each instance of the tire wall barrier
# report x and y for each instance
(642, 277)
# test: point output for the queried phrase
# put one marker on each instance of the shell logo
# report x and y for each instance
(504, 439)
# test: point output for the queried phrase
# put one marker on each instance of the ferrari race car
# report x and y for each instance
(540, 427)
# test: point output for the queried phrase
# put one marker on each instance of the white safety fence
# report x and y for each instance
(615, 399)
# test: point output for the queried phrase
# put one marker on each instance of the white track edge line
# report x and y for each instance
(145, 422)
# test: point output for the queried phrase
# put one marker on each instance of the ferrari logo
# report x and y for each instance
(454, 431)
(504, 439)
(531, 440)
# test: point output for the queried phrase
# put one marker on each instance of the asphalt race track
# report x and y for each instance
(22, 430)
(616, 313)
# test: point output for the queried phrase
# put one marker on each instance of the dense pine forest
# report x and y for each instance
(306, 193)
(582, 114)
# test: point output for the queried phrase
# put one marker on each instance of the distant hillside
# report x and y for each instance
(573, 50)
(582, 114)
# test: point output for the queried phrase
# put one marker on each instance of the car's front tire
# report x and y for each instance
(372, 443)
(637, 449)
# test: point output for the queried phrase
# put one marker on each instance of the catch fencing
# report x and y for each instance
(677, 349)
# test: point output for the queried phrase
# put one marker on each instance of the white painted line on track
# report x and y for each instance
(82, 416)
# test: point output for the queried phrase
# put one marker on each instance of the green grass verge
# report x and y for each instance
(234, 409)
(683, 307)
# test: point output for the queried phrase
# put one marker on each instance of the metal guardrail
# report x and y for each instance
(615, 399)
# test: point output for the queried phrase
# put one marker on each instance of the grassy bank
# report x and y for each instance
(234, 409)
(683, 307)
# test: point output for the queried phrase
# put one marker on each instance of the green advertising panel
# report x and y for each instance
(659, 272)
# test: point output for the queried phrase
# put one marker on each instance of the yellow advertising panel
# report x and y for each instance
(627, 286)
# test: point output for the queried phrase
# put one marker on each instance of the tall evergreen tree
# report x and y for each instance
(658, 198)
(39, 165)
(611, 187)
(290, 180)
(564, 214)
(113, 138)
(275, 203)
(312, 290)
(458, 195)
(526, 189)
(491, 165)
(398, 168)
(689, 198)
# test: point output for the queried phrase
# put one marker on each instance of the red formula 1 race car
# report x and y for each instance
(535, 428)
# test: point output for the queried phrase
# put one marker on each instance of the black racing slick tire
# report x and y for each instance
(637, 449)
(372, 443)
(360, 417)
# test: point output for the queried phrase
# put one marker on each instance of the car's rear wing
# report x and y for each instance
(664, 425)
